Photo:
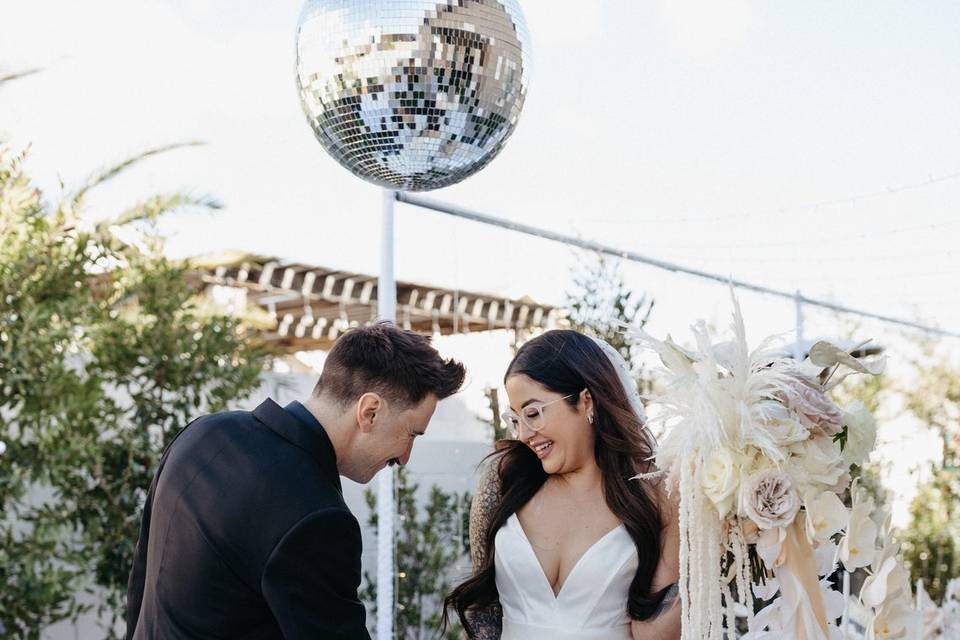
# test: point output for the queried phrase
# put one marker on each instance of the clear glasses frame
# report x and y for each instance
(512, 420)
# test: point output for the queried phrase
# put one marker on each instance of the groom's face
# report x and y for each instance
(391, 437)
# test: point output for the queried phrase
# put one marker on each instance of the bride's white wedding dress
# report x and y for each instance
(592, 603)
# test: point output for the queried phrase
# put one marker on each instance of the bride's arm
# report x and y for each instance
(487, 623)
(664, 624)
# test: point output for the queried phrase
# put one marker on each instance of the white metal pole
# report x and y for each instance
(633, 256)
(387, 283)
(386, 310)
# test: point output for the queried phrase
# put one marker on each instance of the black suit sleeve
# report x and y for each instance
(135, 584)
(138, 573)
(310, 579)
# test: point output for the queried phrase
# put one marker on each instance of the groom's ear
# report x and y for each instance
(369, 409)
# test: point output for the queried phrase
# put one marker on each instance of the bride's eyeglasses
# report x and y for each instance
(531, 416)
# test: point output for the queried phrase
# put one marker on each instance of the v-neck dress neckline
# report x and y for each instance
(591, 603)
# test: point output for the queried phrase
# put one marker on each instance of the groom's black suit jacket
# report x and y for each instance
(245, 535)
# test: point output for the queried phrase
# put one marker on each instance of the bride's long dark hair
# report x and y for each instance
(566, 362)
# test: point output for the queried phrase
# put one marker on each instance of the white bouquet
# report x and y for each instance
(761, 457)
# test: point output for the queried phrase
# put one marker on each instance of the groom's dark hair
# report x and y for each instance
(400, 365)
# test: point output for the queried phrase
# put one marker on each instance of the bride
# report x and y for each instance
(564, 543)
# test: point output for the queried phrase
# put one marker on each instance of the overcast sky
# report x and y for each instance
(811, 146)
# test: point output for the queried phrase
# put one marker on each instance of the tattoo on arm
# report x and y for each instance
(484, 503)
(487, 624)
(669, 598)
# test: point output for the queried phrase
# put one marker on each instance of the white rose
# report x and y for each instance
(3, 447)
(780, 423)
(769, 499)
(861, 434)
(787, 432)
(719, 477)
(816, 464)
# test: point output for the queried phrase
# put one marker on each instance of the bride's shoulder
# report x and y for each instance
(488, 481)
(486, 496)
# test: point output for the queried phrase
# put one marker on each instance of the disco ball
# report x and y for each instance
(412, 94)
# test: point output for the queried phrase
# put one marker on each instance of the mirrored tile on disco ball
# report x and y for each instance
(411, 94)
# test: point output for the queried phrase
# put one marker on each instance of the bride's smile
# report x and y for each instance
(541, 448)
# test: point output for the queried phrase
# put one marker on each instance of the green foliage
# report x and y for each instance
(931, 544)
(601, 303)
(105, 353)
(935, 401)
(493, 401)
(873, 392)
(428, 544)
(841, 437)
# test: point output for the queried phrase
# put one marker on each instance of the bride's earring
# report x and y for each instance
(590, 418)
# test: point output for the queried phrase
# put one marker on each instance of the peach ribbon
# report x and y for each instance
(796, 569)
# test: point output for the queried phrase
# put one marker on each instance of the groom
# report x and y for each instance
(245, 532)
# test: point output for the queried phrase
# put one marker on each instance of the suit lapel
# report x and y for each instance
(313, 441)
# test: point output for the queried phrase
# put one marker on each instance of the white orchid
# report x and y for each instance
(932, 616)
(767, 590)
(826, 516)
(826, 555)
(769, 546)
(881, 583)
(833, 600)
(858, 547)
(777, 621)
(951, 610)
(861, 434)
(886, 591)
(952, 593)
(896, 621)
(889, 579)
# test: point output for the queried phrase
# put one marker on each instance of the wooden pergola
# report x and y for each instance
(304, 307)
